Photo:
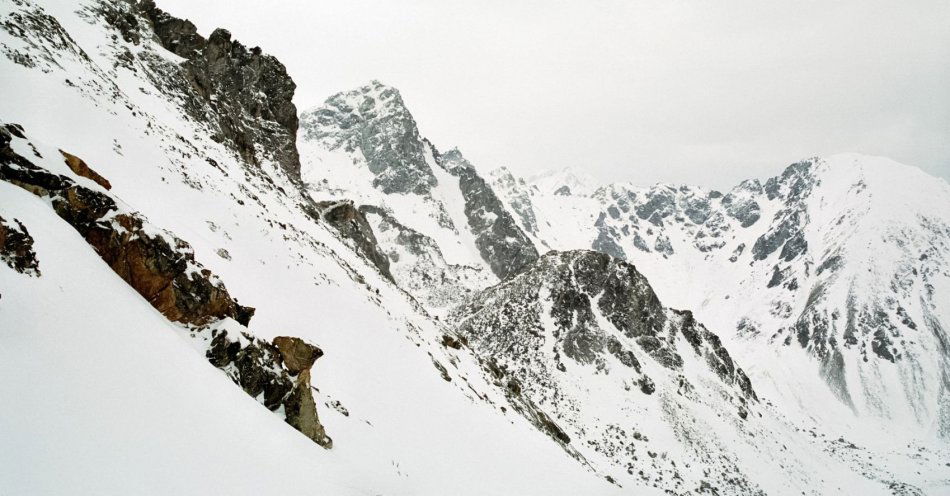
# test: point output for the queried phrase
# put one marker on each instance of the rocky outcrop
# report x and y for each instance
(245, 95)
(500, 241)
(162, 268)
(580, 291)
(277, 372)
(740, 203)
(577, 318)
(16, 248)
(351, 223)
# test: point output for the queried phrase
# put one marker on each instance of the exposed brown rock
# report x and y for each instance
(280, 372)
(161, 268)
(298, 355)
(80, 167)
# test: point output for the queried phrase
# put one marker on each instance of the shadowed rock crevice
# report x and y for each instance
(16, 248)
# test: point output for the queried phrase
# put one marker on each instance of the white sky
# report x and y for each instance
(694, 92)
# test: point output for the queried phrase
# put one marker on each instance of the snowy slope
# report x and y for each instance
(105, 381)
(458, 359)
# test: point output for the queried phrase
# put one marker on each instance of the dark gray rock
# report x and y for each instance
(351, 223)
(741, 205)
(244, 94)
(16, 248)
(374, 120)
(499, 239)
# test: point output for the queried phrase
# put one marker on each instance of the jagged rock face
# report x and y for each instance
(514, 189)
(245, 95)
(500, 240)
(16, 248)
(792, 187)
(577, 288)
(350, 222)
(830, 258)
(740, 202)
(447, 221)
(580, 316)
(374, 120)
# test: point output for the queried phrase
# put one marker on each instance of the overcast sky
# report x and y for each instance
(692, 92)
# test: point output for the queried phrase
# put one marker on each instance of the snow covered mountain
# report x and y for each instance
(109, 394)
(838, 265)
(444, 231)
(206, 293)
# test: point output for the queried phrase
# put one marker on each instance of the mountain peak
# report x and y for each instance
(374, 119)
(565, 181)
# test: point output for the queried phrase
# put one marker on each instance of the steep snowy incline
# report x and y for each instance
(103, 380)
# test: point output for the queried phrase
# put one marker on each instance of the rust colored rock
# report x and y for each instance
(298, 355)
(160, 267)
(80, 167)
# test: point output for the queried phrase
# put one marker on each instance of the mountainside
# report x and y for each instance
(646, 393)
(446, 232)
(99, 376)
(838, 265)
(206, 293)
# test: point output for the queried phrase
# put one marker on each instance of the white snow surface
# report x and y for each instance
(104, 396)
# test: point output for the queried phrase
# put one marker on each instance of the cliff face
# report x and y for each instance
(246, 96)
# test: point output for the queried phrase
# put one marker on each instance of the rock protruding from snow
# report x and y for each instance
(351, 223)
(162, 269)
(277, 373)
(159, 266)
